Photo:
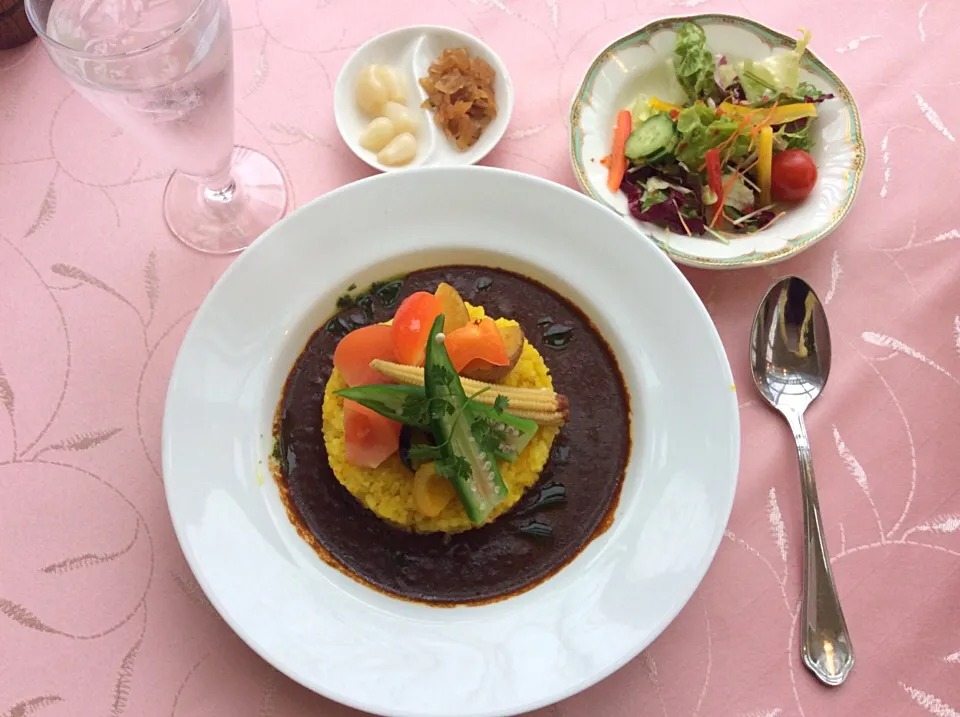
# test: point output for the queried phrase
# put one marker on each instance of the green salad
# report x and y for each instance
(725, 161)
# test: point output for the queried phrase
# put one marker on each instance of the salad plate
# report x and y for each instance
(744, 90)
(394, 642)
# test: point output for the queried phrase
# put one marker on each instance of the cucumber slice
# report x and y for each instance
(651, 138)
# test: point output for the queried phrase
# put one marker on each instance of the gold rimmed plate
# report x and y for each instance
(639, 63)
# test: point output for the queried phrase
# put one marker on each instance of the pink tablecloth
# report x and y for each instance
(99, 614)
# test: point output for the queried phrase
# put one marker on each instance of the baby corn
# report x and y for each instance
(545, 407)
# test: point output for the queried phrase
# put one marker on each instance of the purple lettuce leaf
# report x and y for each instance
(674, 203)
(757, 222)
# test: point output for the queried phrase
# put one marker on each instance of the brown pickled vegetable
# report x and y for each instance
(460, 92)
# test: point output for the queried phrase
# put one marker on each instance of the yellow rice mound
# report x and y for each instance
(387, 490)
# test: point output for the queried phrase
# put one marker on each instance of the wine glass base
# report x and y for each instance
(228, 221)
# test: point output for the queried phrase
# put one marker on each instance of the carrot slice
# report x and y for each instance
(411, 327)
(618, 160)
(477, 340)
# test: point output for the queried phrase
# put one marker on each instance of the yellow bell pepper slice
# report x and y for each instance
(765, 163)
(661, 106)
(781, 115)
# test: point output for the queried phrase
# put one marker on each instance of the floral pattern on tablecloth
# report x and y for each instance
(99, 614)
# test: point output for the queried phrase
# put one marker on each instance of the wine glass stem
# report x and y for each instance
(219, 188)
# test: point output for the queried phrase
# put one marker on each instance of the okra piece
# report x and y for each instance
(460, 436)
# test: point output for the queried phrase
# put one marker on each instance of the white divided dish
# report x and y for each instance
(411, 50)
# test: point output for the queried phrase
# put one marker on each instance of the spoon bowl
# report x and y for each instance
(790, 362)
(790, 347)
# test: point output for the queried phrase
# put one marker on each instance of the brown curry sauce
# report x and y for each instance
(505, 557)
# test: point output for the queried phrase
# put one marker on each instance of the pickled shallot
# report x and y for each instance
(380, 93)
(401, 150)
(377, 134)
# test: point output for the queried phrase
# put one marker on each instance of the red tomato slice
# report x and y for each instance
(411, 327)
(477, 340)
(370, 438)
(357, 349)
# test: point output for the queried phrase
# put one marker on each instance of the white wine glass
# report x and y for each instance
(163, 71)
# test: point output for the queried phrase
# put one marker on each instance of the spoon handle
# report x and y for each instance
(824, 642)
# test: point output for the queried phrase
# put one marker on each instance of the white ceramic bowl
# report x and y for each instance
(411, 50)
(637, 63)
(389, 656)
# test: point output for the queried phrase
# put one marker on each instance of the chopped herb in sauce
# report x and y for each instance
(344, 302)
(388, 293)
(365, 303)
(483, 283)
(351, 287)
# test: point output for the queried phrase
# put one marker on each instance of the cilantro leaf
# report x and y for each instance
(500, 404)
(453, 467)
(488, 438)
(416, 410)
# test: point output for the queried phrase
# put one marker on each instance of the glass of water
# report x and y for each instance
(163, 71)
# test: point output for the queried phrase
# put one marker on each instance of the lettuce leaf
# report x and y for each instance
(806, 92)
(794, 135)
(739, 195)
(696, 65)
(640, 110)
(700, 129)
(778, 74)
(667, 195)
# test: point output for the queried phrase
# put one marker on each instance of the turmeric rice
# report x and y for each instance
(387, 490)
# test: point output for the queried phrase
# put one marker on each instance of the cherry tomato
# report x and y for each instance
(793, 175)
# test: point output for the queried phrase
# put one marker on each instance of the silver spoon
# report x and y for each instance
(790, 360)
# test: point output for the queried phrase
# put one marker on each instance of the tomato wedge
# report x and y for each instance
(357, 349)
(411, 327)
(370, 438)
(477, 340)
